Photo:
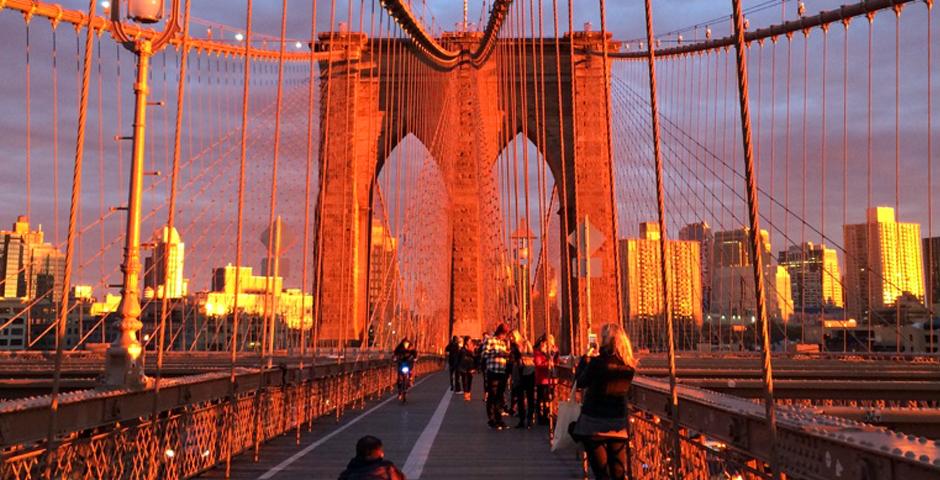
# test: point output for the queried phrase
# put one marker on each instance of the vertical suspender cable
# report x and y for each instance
(823, 132)
(754, 233)
(930, 273)
(610, 166)
(845, 169)
(311, 95)
(568, 211)
(55, 138)
(868, 239)
(897, 176)
(29, 108)
(74, 208)
(171, 205)
(238, 233)
(266, 352)
(324, 156)
(663, 246)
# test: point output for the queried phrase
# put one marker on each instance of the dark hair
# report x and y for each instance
(368, 446)
(501, 329)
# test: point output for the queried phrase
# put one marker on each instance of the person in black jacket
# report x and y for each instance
(466, 364)
(452, 351)
(370, 463)
(605, 379)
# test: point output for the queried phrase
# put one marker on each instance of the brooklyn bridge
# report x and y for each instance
(228, 221)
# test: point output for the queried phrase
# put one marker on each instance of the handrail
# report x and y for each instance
(741, 424)
(26, 420)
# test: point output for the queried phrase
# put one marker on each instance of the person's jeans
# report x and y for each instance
(525, 398)
(495, 391)
(608, 458)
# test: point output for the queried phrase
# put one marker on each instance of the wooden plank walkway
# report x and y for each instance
(462, 448)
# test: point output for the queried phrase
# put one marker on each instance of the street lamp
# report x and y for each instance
(122, 362)
(521, 241)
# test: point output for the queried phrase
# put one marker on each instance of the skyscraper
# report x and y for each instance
(732, 248)
(642, 279)
(732, 281)
(932, 269)
(702, 233)
(29, 267)
(883, 261)
(815, 280)
(383, 279)
(165, 264)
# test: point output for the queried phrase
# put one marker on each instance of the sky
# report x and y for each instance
(209, 180)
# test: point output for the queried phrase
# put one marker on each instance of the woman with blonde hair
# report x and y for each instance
(604, 376)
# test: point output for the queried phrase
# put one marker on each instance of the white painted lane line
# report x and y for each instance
(309, 448)
(414, 465)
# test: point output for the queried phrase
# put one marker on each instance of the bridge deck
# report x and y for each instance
(436, 435)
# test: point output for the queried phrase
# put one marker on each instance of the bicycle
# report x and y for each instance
(405, 381)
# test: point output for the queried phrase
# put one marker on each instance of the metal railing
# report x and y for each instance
(723, 436)
(204, 426)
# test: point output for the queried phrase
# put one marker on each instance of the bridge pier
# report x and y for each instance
(350, 128)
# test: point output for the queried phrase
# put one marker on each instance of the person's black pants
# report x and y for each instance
(544, 396)
(454, 378)
(465, 380)
(495, 391)
(524, 393)
(608, 458)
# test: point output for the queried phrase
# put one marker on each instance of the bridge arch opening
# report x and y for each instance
(530, 238)
(409, 271)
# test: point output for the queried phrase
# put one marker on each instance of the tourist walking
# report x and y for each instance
(452, 351)
(495, 358)
(604, 376)
(523, 379)
(466, 365)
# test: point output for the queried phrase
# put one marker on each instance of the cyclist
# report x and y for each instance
(405, 356)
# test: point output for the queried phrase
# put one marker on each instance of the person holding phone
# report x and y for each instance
(604, 375)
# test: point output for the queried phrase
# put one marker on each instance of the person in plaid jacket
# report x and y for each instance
(495, 359)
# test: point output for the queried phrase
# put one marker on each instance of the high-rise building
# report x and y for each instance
(815, 280)
(932, 269)
(732, 281)
(258, 295)
(732, 248)
(642, 278)
(702, 233)
(29, 267)
(383, 279)
(883, 262)
(165, 264)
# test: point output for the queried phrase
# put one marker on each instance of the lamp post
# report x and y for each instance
(122, 362)
(522, 238)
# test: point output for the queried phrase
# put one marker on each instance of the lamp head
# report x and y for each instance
(145, 11)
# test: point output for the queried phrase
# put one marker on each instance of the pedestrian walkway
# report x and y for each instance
(436, 435)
